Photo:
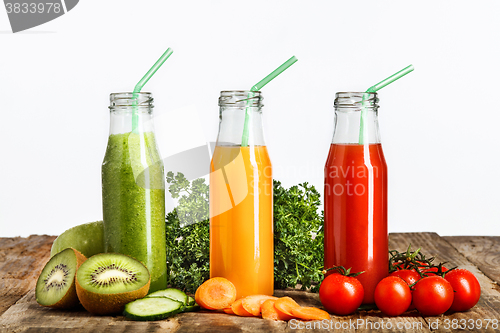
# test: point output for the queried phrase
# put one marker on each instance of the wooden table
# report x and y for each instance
(22, 259)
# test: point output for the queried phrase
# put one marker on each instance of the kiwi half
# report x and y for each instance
(108, 281)
(55, 287)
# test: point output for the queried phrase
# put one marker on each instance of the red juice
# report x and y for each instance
(356, 212)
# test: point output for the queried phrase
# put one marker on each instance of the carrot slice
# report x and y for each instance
(270, 312)
(199, 301)
(215, 294)
(253, 303)
(310, 313)
(239, 310)
(228, 310)
(285, 305)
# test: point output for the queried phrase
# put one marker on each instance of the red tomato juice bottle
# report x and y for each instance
(356, 192)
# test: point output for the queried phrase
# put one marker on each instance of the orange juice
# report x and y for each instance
(241, 219)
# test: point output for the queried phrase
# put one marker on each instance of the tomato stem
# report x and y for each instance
(413, 260)
(416, 261)
(341, 270)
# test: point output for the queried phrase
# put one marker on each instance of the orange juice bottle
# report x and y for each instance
(241, 199)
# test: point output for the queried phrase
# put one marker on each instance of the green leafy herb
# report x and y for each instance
(188, 242)
(193, 205)
(298, 236)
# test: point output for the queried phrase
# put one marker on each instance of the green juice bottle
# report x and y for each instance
(133, 187)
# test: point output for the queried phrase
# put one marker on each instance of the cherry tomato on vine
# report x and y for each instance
(432, 295)
(410, 276)
(433, 269)
(466, 287)
(340, 294)
(392, 296)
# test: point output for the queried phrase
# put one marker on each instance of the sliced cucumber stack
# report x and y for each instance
(160, 305)
(171, 293)
(152, 308)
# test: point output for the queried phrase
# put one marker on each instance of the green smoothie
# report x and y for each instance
(133, 192)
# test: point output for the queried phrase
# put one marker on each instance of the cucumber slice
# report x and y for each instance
(153, 308)
(191, 305)
(172, 293)
(192, 308)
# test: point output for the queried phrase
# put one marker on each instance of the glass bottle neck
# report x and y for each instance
(236, 108)
(356, 118)
(131, 112)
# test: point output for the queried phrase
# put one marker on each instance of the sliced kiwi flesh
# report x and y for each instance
(56, 284)
(108, 281)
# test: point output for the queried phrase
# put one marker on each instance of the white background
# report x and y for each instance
(439, 124)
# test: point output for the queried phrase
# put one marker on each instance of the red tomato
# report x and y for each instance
(466, 287)
(392, 296)
(432, 296)
(421, 269)
(341, 295)
(426, 271)
(410, 277)
(433, 269)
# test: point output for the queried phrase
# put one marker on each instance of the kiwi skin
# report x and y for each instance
(105, 304)
(87, 238)
(70, 299)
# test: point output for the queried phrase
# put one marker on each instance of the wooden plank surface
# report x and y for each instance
(483, 252)
(27, 316)
(21, 260)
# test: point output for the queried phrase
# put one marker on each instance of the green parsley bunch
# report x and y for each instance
(298, 235)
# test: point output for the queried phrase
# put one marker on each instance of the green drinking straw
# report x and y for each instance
(143, 81)
(257, 87)
(374, 88)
